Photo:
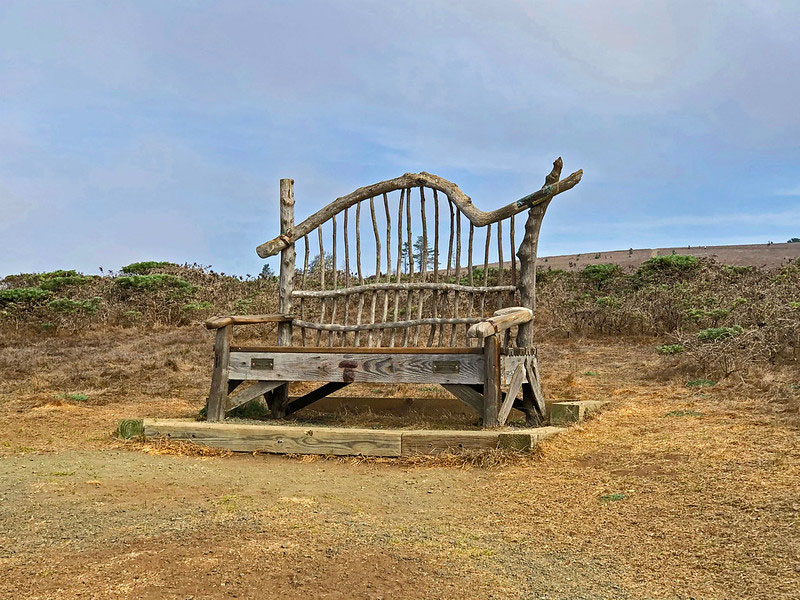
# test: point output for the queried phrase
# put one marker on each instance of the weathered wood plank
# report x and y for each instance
(491, 389)
(437, 441)
(244, 395)
(280, 439)
(317, 394)
(357, 367)
(469, 396)
(513, 390)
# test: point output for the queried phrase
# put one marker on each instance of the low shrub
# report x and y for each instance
(23, 295)
(713, 334)
(602, 272)
(58, 282)
(671, 264)
(144, 267)
(158, 281)
(67, 305)
(670, 349)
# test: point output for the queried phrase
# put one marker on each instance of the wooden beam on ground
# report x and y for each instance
(292, 439)
(313, 396)
(468, 395)
(245, 395)
(513, 390)
(280, 439)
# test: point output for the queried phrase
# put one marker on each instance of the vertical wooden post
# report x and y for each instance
(491, 387)
(527, 258)
(215, 406)
(280, 397)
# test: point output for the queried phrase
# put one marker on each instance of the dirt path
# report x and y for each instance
(672, 493)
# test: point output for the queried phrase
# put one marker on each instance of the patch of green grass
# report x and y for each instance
(75, 396)
(592, 373)
(684, 413)
(612, 497)
(699, 383)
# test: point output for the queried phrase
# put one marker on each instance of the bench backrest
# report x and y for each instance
(417, 268)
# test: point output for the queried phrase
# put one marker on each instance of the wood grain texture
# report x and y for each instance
(502, 320)
(243, 395)
(469, 396)
(508, 403)
(359, 367)
(215, 406)
(217, 322)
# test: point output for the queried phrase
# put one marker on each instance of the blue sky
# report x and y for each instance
(159, 130)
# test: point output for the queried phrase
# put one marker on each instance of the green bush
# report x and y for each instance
(671, 264)
(22, 295)
(670, 349)
(715, 314)
(602, 272)
(713, 334)
(158, 281)
(66, 305)
(144, 267)
(57, 282)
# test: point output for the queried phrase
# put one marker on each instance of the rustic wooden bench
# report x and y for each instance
(414, 318)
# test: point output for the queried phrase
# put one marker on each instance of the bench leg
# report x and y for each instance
(491, 388)
(215, 406)
(279, 404)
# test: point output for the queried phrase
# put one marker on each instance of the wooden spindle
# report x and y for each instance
(321, 281)
(335, 282)
(471, 277)
(346, 273)
(424, 265)
(361, 297)
(456, 296)
(370, 337)
(399, 261)
(406, 331)
(435, 298)
(303, 284)
(388, 264)
(486, 267)
(280, 396)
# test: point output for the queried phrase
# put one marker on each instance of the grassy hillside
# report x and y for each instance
(718, 319)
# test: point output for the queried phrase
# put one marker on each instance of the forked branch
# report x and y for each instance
(476, 216)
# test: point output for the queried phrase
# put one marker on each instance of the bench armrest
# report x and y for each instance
(217, 322)
(502, 320)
